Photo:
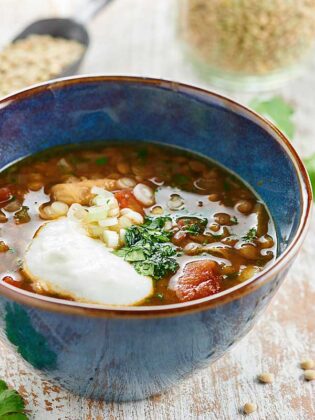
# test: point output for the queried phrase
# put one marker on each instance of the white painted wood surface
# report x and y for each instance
(139, 37)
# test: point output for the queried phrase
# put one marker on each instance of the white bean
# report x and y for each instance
(76, 211)
(113, 212)
(60, 208)
(111, 238)
(122, 234)
(144, 194)
(134, 216)
(109, 221)
(126, 183)
(124, 222)
(176, 202)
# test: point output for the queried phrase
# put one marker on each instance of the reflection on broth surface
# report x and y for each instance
(185, 227)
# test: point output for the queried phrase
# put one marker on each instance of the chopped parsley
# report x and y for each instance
(102, 160)
(11, 403)
(250, 236)
(234, 220)
(192, 225)
(149, 250)
(160, 296)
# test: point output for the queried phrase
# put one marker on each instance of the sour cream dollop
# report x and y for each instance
(63, 259)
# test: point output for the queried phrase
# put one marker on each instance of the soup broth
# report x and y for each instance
(170, 225)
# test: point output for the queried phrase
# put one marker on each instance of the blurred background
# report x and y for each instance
(251, 50)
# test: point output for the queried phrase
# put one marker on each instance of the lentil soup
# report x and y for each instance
(129, 224)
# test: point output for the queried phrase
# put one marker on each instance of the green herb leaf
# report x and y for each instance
(14, 416)
(102, 160)
(310, 166)
(250, 236)
(160, 296)
(278, 111)
(149, 249)
(11, 403)
(3, 386)
(234, 220)
(192, 225)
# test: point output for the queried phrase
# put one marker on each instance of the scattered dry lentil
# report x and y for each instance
(307, 364)
(35, 59)
(249, 37)
(266, 377)
(309, 375)
(249, 408)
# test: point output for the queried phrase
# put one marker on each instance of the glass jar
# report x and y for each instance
(248, 43)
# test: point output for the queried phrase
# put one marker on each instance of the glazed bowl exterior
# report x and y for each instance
(122, 353)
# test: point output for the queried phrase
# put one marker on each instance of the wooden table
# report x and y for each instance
(138, 37)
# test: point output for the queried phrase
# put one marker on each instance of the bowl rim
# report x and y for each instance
(235, 292)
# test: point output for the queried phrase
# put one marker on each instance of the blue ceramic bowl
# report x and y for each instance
(131, 353)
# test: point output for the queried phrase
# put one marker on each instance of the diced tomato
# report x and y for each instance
(126, 198)
(5, 194)
(199, 279)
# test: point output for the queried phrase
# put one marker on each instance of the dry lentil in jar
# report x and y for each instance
(177, 218)
(248, 37)
(35, 59)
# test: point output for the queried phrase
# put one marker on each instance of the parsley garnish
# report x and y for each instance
(102, 160)
(193, 225)
(11, 403)
(234, 220)
(250, 236)
(149, 250)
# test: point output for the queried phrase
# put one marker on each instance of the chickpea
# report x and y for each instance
(249, 251)
(144, 194)
(229, 240)
(123, 168)
(222, 218)
(192, 248)
(13, 206)
(214, 227)
(126, 183)
(244, 206)
(266, 242)
(210, 174)
(213, 197)
(35, 185)
(157, 210)
(176, 202)
(140, 170)
(197, 166)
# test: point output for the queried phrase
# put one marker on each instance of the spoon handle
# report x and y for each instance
(89, 10)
